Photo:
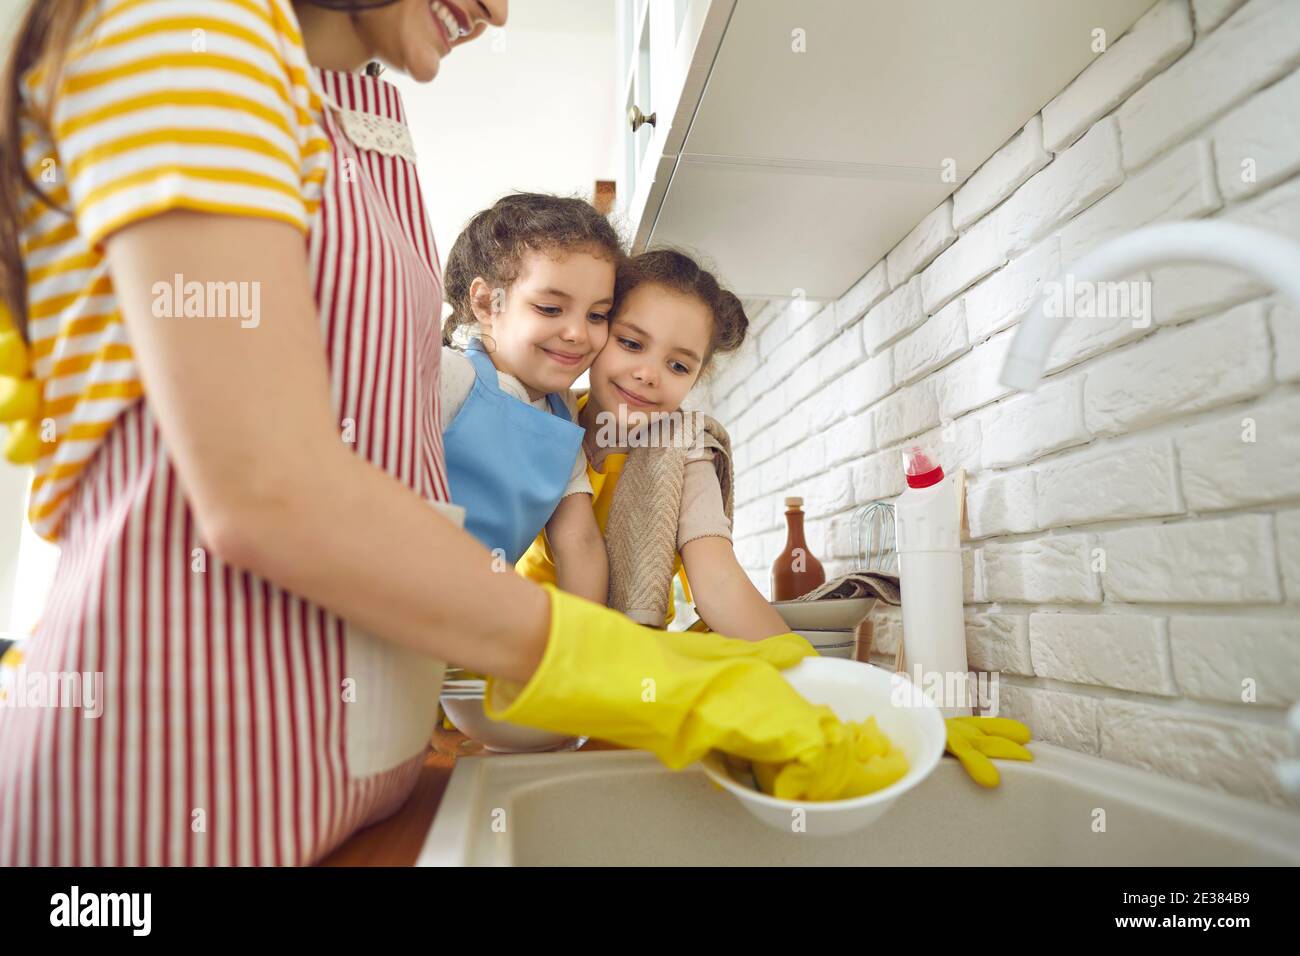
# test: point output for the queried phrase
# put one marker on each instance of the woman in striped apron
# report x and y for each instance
(240, 723)
(223, 365)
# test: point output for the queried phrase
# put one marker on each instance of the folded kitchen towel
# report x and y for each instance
(641, 533)
(858, 584)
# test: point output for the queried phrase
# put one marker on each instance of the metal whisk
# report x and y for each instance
(872, 538)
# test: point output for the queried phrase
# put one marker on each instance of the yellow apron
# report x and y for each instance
(538, 564)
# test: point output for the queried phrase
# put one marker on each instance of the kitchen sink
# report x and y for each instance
(624, 808)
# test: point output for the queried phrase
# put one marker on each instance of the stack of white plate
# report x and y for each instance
(829, 626)
(831, 643)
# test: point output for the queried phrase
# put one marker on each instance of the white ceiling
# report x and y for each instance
(800, 170)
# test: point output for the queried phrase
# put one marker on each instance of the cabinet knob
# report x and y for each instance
(636, 119)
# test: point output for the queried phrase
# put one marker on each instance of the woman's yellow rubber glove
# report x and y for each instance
(973, 740)
(606, 676)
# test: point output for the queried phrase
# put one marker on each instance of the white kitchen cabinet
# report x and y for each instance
(795, 142)
(665, 50)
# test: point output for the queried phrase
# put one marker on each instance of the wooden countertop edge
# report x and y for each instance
(397, 841)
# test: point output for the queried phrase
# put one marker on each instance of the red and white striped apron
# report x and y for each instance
(225, 736)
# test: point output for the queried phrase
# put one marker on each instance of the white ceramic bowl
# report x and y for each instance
(498, 735)
(837, 614)
(855, 691)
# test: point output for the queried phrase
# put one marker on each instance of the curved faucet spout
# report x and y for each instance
(1270, 257)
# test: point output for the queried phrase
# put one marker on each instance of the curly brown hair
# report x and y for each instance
(677, 271)
(493, 243)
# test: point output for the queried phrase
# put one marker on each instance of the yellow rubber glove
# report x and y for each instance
(606, 676)
(973, 740)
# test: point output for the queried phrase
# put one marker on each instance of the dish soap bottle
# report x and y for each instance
(927, 519)
(795, 571)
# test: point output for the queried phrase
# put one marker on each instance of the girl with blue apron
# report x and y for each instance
(508, 462)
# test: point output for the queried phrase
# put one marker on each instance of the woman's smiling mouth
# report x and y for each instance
(451, 22)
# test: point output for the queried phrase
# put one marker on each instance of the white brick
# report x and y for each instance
(895, 315)
(1179, 186)
(748, 486)
(972, 587)
(762, 446)
(939, 340)
(1066, 720)
(774, 475)
(825, 406)
(769, 408)
(826, 494)
(998, 642)
(1156, 40)
(816, 330)
(780, 364)
(1124, 651)
(851, 438)
(1232, 756)
(786, 432)
(866, 292)
(1182, 292)
(957, 443)
(1054, 569)
(777, 332)
(1133, 480)
(1210, 13)
(1284, 323)
(877, 477)
(1227, 560)
(868, 381)
(917, 249)
(1001, 503)
(972, 380)
(979, 251)
(753, 519)
(1248, 52)
(806, 459)
(1221, 469)
(762, 317)
(1032, 425)
(1288, 553)
(734, 369)
(905, 412)
(1213, 656)
(1075, 180)
(1005, 297)
(1258, 144)
(1209, 363)
(1116, 313)
(805, 378)
(1001, 174)
(886, 630)
(840, 354)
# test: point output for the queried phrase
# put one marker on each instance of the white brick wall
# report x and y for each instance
(1134, 560)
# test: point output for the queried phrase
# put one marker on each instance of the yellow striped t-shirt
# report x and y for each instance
(205, 105)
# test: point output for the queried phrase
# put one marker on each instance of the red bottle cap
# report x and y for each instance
(920, 471)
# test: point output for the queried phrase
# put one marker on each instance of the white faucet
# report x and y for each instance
(1271, 257)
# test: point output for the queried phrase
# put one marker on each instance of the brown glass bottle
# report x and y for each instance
(795, 571)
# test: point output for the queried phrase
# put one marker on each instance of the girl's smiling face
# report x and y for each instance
(658, 344)
(548, 326)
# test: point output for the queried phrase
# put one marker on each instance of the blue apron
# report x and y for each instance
(508, 463)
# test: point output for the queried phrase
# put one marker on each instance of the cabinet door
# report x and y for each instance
(667, 47)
